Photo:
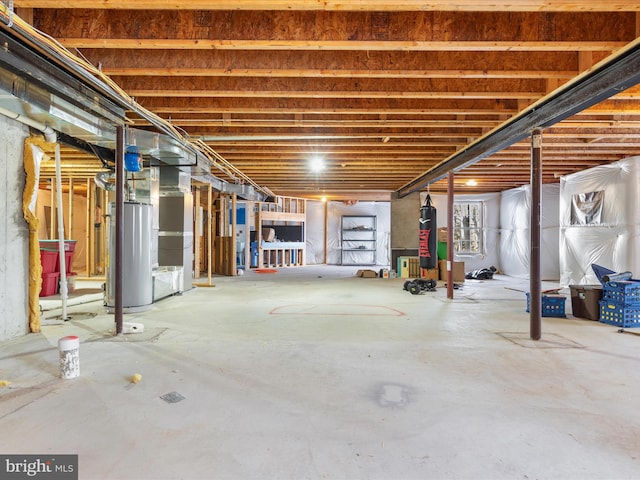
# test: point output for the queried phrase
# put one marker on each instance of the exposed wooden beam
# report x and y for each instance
(333, 73)
(329, 94)
(338, 45)
(345, 5)
(363, 123)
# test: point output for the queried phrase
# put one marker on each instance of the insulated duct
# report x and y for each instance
(48, 84)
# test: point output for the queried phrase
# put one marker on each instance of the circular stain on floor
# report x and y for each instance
(392, 395)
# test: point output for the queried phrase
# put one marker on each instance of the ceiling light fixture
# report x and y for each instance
(471, 183)
(317, 164)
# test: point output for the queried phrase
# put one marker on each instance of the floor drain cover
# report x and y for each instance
(172, 397)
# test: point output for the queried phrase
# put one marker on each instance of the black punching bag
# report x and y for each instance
(428, 246)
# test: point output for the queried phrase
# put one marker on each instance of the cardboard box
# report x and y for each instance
(430, 273)
(458, 271)
(408, 267)
(366, 274)
(442, 234)
(585, 301)
(268, 234)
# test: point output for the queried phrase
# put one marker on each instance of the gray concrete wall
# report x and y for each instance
(14, 234)
(405, 213)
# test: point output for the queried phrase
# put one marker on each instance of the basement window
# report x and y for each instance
(468, 228)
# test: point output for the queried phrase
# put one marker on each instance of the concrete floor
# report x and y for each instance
(312, 373)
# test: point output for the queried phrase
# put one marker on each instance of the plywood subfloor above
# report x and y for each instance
(381, 91)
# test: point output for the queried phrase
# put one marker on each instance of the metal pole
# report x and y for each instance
(234, 228)
(535, 285)
(209, 231)
(119, 223)
(449, 235)
(326, 228)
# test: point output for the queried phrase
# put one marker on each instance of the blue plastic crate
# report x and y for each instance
(623, 293)
(552, 305)
(626, 316)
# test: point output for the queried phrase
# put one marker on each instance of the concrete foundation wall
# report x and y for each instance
(14, 242)
(405, 213)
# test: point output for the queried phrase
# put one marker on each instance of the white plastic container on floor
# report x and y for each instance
(69, 348)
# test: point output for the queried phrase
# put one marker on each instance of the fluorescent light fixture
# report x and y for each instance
(471, 183)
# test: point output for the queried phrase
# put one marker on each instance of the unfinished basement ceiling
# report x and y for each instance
(381, 90)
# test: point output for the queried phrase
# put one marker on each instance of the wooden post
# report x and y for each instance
(92, 214)
(259, 235)
(88, 228)
(104, 240)
(197, 235)
(52, 219)
(70, 221)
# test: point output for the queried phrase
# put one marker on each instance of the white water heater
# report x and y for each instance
(137, 282)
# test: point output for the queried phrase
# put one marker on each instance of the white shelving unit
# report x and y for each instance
(358, 239)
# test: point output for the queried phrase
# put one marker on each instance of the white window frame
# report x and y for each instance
(468, 230)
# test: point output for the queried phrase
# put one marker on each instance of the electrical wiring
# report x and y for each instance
(12, 21)
(228, 168)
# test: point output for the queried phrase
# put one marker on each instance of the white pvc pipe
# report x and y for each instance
(49, 133)
(61, 251)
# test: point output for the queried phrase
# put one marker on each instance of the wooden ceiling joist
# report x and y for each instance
(347, 45)
(345, 5)
(384, 90)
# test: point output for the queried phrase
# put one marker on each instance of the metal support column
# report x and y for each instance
(449, 235)
(117, 258)
(535, 286)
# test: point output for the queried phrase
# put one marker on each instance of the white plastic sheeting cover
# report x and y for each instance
(315, 233)
(604, 231)
(515, 234)
(335, 210)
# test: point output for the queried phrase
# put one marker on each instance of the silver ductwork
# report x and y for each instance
(41, 92)
(102, 180)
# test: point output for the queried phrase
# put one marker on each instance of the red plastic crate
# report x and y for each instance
(49, 260)
(69, 245)
(68, 261)
(49, 284)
